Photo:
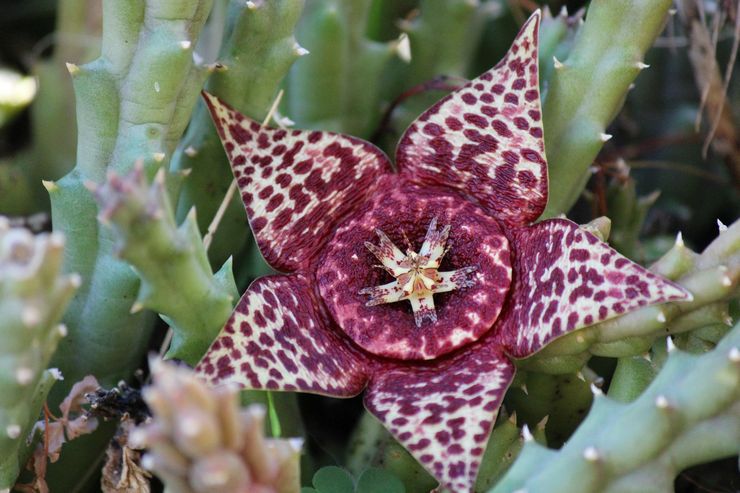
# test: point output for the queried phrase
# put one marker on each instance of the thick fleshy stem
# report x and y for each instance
(338, 86)
(627, 212)
(176, 278)
(712, 277)
(200, 441)
(557, 33)
(133, 103)
(693, 400)
(33, 296)
(587, 89)
(257, 51)
(562, 399)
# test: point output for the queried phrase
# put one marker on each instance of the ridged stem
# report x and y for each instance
(33, 297)
(587, 90)
(688, 415)
(133, 102)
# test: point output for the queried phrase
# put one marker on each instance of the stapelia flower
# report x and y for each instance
(420, 285)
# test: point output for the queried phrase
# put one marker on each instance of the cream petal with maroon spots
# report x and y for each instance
(485, 139)
(297, 185)
(279, 338)
(443, 412)
(566, 279)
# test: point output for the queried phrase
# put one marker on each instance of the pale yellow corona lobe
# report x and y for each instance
(416, 275)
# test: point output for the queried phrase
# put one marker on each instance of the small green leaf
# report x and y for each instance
(332, 479)
(376, 480)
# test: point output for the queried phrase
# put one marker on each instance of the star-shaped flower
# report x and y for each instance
(429, 336)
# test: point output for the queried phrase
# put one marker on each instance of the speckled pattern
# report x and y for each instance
(443, 412)
(296, 186)
(390, 329)
(486, 138)
(474, 161)
(574, 280)
(279, 337)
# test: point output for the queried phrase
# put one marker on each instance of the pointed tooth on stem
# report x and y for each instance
(50, 186)
(670, 347)
(591, 454)
(661, 402)
(595, 390)
(300, 50)
(734, 355)
(557, 63)
(31, 316)
(13, 431)
(526, 434)
(23, 375)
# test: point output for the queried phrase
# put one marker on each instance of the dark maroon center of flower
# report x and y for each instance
(475, 246)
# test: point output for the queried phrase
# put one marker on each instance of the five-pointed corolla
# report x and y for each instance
(428, 334)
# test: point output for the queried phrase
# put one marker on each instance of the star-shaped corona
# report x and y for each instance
(417, 276)
(325, 208)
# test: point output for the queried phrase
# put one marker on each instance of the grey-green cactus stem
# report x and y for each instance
(133, 102)
(337, 87)
(257, 51)
(33, 296)
(713, 278)
(587, 89)
(557, 33)
(177, 280)
(693, 400)
(627, 212)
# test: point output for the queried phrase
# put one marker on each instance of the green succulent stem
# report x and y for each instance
(133, 102)
(337, 87)
(176, 277)
(587, 89)
(689, 414)
(33, 296)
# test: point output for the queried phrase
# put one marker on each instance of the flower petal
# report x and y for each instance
(296, 185)
(486, 138)
(565, 279)
(443, 412)
(279, 338)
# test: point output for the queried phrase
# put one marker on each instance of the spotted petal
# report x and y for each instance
(280, 338)
(296, 185)
(486, 138)
(443, 412)
(566, 279)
